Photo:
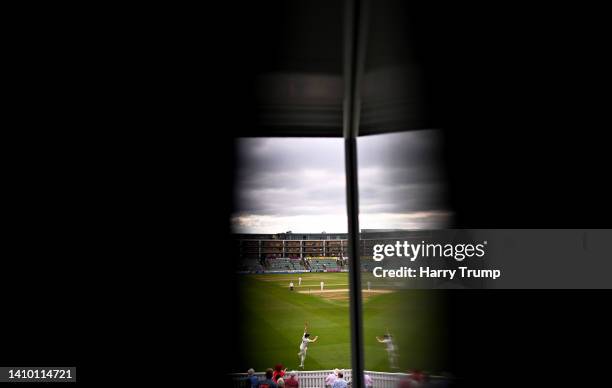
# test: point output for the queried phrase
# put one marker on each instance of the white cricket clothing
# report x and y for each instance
(304, 344)
(389, 343)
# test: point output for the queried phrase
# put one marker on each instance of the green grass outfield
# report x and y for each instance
(273, 320)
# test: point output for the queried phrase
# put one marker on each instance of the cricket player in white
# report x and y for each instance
(322, 285)
(300, 281)
(304, 345)
(388, 341)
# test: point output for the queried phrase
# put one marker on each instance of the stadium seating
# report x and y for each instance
(319, 265)
(297, 264)
(280, 264)
(368, 265)
(285, 264)
(250, 265)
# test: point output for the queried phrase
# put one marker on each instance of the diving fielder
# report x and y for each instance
(304, 345)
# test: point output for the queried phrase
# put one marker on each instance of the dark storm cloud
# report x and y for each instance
(289, 176)
(401, 173)
(301, 181)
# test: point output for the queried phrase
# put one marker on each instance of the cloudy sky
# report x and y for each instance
(298, 184)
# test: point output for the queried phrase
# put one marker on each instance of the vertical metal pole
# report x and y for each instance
(354, 56)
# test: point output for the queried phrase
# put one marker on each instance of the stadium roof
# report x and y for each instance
(294, 65)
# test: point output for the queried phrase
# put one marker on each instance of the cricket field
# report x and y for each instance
(273, 320)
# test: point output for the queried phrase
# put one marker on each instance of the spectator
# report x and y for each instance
(292, 381)
(331, 378)
(367, 379)
(278, 372)
(280, 382)
(267, 383)
(413, 380)
(340, 382)
(252, 379)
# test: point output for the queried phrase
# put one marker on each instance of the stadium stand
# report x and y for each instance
(297, 265)
(367, 264)
(319, 265)
(285, 264)
(250, 265)
(280, 264)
